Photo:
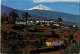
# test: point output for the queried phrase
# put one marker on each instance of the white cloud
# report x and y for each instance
(14, 0)
(39, 1)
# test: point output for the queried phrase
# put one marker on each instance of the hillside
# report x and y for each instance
(44, 14)
(5, 9)
(55, 15)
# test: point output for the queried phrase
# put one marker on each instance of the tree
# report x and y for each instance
(14, 15)
(4, 17)
(70, 38)
(26, 15)
(59, 20)
(73, 49)
(54, 35)
(11, 42)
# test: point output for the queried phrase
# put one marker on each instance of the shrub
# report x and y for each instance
(18, 27)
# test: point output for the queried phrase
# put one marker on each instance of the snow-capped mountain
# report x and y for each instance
(45, 15)
(40, 7)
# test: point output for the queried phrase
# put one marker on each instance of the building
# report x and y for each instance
(37, 22)
(24, 23)
(56, 24)
(79, 27)
(54, 42)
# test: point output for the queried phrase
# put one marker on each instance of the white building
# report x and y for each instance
(56, 24)
(24, 23)
(54, 42)
(74, 26)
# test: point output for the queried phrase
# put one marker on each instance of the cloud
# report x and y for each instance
(15, 0)
(39, 1)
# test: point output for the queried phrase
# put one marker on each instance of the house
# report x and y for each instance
(64, 27)
(54, 42)
(74, 26)
(37, 21)
(24, 23)
(56, 24)
(42, 21)
(79, 27)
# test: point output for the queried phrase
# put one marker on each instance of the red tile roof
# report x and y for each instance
(54, 40)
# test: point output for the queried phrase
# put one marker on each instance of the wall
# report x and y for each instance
(48, 43)
(57, 43)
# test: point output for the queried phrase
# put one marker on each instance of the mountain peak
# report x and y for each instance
(40, 7)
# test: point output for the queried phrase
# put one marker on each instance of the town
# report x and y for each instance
(24, 35)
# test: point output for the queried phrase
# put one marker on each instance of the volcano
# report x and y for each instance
(40, 7)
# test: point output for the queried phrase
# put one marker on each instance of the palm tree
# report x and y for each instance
(14, 15)
(26, 15)
(59, 20)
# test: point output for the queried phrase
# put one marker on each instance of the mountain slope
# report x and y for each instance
(55, 15)
(5, 9)
(43, 14)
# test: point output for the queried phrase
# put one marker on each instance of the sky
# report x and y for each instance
(67, 6)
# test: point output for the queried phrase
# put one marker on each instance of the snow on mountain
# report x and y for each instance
(45, 15)
(40, 7)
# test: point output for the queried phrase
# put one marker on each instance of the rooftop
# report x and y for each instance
(54, 40)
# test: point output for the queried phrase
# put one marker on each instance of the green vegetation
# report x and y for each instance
(33, 36)
(73, 49)
(40, 33)
(26, 15)
(74, 46)
(14, 15)
(3, 17)
(59, 20)
(12, 44)
(70, 38)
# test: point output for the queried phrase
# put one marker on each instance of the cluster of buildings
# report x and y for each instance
(51, 41)
(39, 22)
(47, 23)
